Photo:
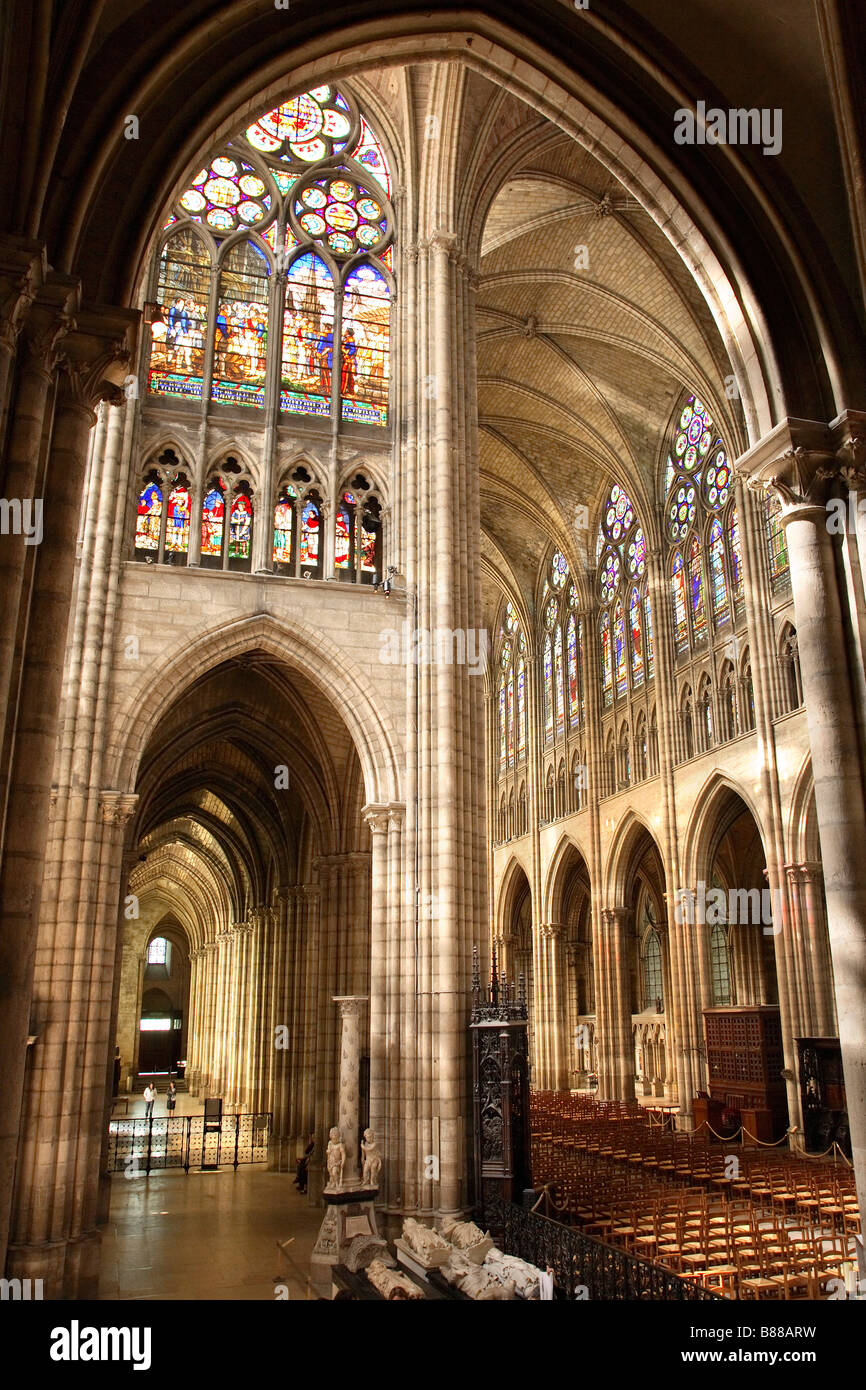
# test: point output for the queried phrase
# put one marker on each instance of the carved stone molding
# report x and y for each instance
(377, 817)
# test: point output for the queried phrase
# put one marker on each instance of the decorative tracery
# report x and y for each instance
(625, 626)
(512, 690)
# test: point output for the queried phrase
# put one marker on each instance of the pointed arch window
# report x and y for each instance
(310, 538)
(719, 585)
(509, 718)
(653, 975)
(241, 529)
(212, 524)
(571, 657)
(696, 590)
(241, 327)
(637, 661)
(285, 518)
(548, 688)
(678, 594)
(619, 650)
(648, 630)
(559, 703)
(736, 554)
(148, 526)
(521, 707)
(503, 735)
(178, 335)
(777, 543)
(606, 661)
(720, 965)
(308, 343)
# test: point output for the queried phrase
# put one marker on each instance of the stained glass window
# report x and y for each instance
(502, 735)
(366, 347)
(149, 522)
(212, 519)
(310, 532)
(240, 528)
(521, 708)
(559, 570)
(241, 328)
(347, 217)
(619, 648)
(652, 965)
(682, 511)
(315, 125)
(227, 194)
(371, 536)
(678, 594)
(156, 951)
(736, 556)
(177, 523)
(696, 590)
(636, 555)
(509, 719)
(618, 515)
(283, 521)
(610, 572)
(721, 612)
(648, 637)
(720, 966)
(634, 615)
(548, 688)
(581, 667)
(178, 339)
(606, 663)
(571, 658)
(557, 680)
(308, 337)
(777, 542)
(343, 536)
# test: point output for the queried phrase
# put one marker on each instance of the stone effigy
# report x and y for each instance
(425, 1245)
(476, 1281)
(390, 1284)
(468, 1238)
(509, 1268)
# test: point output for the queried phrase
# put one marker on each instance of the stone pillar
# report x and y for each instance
(350, 1061)
(613, 1008)
(797, 460)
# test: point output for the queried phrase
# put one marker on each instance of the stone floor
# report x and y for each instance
(208, 1236)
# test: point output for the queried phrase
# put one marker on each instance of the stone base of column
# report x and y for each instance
(69, 1269)
(281, 1154)
(347, 1214)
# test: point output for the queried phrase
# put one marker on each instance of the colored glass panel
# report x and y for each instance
(241, 328)
(309, 535)
(619, 648)
(637, 660)
(502, 736)
(719, 584)
(558, 570)
(678, 594)
(682, 511)
(178, 341)
(521, 708)
(736, 555)
(571, 660)
(581, 667)
(618, 514)
(778, 546)
(342, 538)
(308, 338)
(177, 522)
(509, 719)
(240, 528)
(227, 194)
(149, 520)
(696, 590)
(212, 518)
(283, 514)
(558, 693)
(548, 688)
(648, 637)
(369, 152)
(343, 214)
(636, 555)
(366, 347)
(606, 662)
(610, 574)
(370, 532)
(310, 127)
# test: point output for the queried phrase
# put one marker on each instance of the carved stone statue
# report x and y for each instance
(336, 1159)
(425, 1242)
(391, 1284)
(477, 1281)
(371, 1160)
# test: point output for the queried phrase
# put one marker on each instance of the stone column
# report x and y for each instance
(797, 460)
(350, 1061)
(613, 1008)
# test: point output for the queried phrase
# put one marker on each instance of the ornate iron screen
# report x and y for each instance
(186, 1141)
(500, 1065)
(584, 1267)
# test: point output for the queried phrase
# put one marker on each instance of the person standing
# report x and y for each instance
(171, 1097)
(149, 1097)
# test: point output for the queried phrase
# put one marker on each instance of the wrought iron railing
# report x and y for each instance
(184, 1141)
(584, 1267)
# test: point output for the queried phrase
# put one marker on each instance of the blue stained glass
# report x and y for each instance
(619, 649)
(721, 612)
(558, 684)
(548, 688)
(648, 632)
(678, 594)
(606, 664)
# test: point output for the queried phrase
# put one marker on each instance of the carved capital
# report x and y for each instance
(117, 808)
(377, 817)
